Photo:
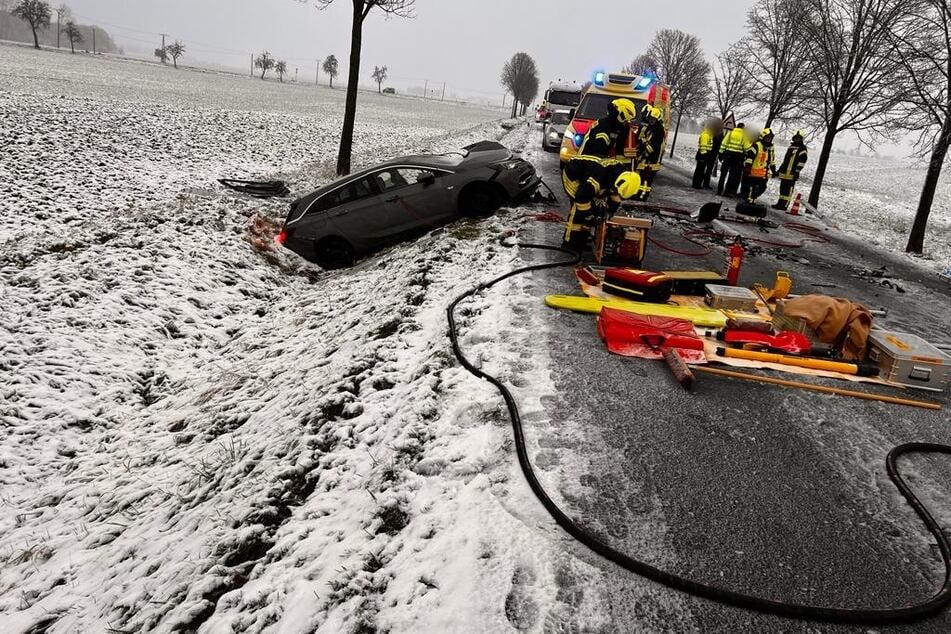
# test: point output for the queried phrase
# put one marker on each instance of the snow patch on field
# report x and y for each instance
(202, 431)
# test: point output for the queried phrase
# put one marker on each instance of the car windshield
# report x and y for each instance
(561, 118)
(564, 98)
(595, 105)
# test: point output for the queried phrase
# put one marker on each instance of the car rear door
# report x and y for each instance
(361, 217)
(416, 197)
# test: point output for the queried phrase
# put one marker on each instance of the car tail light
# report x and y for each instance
(284, 236)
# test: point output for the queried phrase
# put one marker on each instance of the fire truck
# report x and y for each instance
(605, 88)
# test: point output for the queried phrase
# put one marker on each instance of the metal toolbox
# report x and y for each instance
(908, 360)
(731, 298)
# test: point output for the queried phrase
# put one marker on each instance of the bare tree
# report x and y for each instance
(63, 14)
(162, 53)
(379, 76)
(265, 61)
(682, 65)
(730, 82)
(520, 77)
(176, 50)
(924, 52)
(361, 9)
(280, 67)
(852, 69)
(643, 64)
(332, 68)
(35, 12)
(774, 56)
(73, 34)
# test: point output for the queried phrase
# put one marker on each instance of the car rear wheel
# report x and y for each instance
(334, 253)
(479, 199)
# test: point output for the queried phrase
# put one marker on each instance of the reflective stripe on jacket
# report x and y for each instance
(760, 159)
(794, 161)
(735, 141)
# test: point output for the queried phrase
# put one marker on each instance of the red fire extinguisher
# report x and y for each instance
(734, 261)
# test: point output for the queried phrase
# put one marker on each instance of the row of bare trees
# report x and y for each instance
(520, 78)
(39, 15)
(871, 68)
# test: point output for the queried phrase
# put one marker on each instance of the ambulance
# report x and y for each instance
(606, 87)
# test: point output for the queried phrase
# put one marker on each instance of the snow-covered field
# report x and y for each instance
(200, 431)
(870, 198)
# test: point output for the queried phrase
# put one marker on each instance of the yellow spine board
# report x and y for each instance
(699, 316)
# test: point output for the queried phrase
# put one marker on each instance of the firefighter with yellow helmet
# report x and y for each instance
(650, 146)
(596, 187)
(608, 135)
(790, 168)
(758, 165)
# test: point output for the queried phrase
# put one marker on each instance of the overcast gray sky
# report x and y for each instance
(461, 42)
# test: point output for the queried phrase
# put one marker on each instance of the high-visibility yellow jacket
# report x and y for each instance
(705, 144)
(735, 141)
(760, 160)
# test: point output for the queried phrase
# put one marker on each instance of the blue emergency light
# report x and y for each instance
(645, 81)
(578, 139)
(599, 78)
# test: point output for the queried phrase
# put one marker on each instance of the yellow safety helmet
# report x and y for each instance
(626, 110)
(628, 184)
(765, 133)
(649, 112)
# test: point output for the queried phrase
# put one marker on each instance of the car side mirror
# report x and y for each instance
(427, 179)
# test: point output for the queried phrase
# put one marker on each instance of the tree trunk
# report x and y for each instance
(72, 47)
(59, 30)
(916, 239)
(673, 144)
(821, 166)
(36, 39)
(175, 62)
(514, 108)
(353, 85)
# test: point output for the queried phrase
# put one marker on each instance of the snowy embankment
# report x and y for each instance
(203, 431)
(873, 199)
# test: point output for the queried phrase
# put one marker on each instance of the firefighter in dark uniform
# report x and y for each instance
(596, 187)
(790, 168)
(650, 144)
(759, 163)
(608, 135)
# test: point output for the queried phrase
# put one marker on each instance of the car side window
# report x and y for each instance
(389, 179)
(412, 175)
(356, 190)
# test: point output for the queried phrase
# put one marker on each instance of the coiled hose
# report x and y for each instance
(703, 590)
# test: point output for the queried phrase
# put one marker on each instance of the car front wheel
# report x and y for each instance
(479, 200)
(334, 253)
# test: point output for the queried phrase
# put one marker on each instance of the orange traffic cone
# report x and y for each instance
(796, 205)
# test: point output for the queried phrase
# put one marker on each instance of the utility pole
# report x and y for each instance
(252, 64)
(317, 74)
(443, 98)
(426, 90)
(93, 40)
(163, 39)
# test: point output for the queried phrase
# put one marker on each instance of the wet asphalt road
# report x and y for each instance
(775, 492)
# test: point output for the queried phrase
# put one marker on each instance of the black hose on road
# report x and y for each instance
(703, 590)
